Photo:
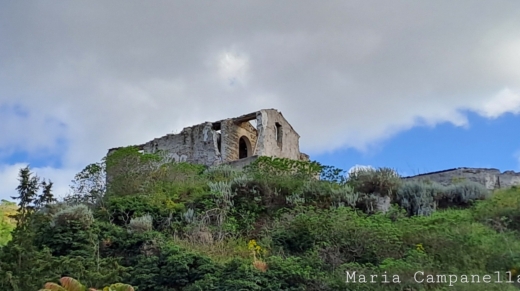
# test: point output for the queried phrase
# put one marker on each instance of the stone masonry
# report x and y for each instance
(235, 141)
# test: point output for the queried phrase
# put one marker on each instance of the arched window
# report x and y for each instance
(244, 148)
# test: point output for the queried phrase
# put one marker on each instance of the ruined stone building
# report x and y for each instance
(236, 141)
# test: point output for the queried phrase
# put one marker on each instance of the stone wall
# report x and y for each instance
(231, 134)
(194, 144)
(213, 143)
(490, 178)
(268, 143)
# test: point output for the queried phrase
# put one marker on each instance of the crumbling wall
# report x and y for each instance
(490, 178)
(218, 142)
(268, 144)
(193, 144)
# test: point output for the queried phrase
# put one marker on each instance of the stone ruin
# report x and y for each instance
(235, 141)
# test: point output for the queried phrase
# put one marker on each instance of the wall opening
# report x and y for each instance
(278, 133)
(219, 141)
(244, 147)
(217, 130)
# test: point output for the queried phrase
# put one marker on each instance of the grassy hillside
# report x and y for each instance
(7, 224)
(175, 226)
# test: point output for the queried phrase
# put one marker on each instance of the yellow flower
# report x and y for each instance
(255, 248)
(419, 248)
(251, 245)
(169, 204)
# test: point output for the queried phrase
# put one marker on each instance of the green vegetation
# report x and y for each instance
(71, 284)
(7, 224)
(161, 225)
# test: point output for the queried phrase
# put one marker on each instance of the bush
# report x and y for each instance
(289, 274)
(339, 235)
(466, 192)
(273, 166)
(78, 213)
(141, 224)
(418, 198)
(501, 211)
(172, 269)
(381, 181)
(221, 173)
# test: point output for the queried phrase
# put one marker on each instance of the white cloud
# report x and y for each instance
(343, 73)
(32, 131)
(506, 101)
(233, 68)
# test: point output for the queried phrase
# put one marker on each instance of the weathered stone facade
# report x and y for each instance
(231, 140)
(490, 178)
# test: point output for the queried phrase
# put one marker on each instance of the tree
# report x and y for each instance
(46, 198)
(29, 199)
(89, 185)
(27, 194)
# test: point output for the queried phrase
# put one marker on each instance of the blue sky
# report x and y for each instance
(414, 85)
(485, 143)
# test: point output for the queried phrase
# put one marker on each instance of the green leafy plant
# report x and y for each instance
(282, 166)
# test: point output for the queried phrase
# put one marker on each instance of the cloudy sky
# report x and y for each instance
(414, 85)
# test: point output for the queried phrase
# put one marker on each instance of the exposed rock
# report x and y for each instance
(490, 178)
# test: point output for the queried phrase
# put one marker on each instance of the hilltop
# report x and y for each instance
(163, 225)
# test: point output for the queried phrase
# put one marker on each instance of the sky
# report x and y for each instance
(417, 86)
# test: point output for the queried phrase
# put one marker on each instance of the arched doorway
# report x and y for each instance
(244, 148)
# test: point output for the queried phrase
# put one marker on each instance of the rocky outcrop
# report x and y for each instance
(490, 178)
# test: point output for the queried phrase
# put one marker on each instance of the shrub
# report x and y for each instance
(273, 166)
(173, 269)
(501, 211)
(221, 173)
(78, 213)
(381, 181)
(466, 192)
(322, 194)
(344, 196)
(141, 224)
(418, 198)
